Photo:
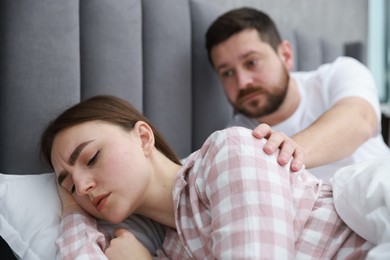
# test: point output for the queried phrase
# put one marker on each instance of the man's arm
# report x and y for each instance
(332, 137)
(338, 132)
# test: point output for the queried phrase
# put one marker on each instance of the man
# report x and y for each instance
(332, 113)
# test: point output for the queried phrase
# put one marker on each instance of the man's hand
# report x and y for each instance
(125, 246)
(278, 140)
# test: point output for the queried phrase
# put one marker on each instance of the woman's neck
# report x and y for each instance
(158, 203)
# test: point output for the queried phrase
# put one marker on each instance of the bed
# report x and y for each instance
(150, 52)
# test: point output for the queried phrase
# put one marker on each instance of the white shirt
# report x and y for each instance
(320, 90)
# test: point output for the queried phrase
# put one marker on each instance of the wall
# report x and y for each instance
(341, 20)
(376, 46)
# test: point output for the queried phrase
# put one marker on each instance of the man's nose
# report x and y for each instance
(245, 79)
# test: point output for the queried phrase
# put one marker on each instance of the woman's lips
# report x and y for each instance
(100, 201)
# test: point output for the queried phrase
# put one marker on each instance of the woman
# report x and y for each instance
(228, 200)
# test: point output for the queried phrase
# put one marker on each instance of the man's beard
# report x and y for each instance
(274, 98)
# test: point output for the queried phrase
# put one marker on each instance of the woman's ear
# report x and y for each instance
(146, 136)
(286, 54)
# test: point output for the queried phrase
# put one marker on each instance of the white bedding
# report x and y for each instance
(30, 209)
(362, 199)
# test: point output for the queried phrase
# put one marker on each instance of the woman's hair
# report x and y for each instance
(103, 108)
(236, 21)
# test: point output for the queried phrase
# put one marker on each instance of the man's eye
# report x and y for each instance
(227, 73)
(93, 160)
(73, 189)
(251, 63)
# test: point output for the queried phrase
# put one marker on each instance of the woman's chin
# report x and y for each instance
(108, 215)
(114, 219)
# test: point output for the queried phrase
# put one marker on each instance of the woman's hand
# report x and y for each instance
(125, 246)
(288, 148)
(69, 203)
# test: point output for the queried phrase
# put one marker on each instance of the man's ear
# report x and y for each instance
(286, 54)
(146, 136)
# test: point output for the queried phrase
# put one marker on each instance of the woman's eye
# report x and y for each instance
(73, 189)
(93, 160)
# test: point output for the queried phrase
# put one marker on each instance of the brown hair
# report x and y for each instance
(104, 108)
(236, 21)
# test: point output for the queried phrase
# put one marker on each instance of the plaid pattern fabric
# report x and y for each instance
(80, 239)
(235, 202)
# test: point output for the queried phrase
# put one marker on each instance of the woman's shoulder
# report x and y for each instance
(228, 140)
(230, 134)
(224, 143)
(233, 131)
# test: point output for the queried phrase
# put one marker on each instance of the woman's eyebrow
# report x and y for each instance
(75, 154)
(72, 159)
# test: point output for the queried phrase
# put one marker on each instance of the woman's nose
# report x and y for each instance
(83, 184)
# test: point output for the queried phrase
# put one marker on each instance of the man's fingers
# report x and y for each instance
(262, 131)
(299, 158)
(275, 141)
(287, 150)
(278, 140)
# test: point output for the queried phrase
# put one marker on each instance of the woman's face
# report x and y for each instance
(104, 166)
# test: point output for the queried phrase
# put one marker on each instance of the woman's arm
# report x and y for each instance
(250, 198)
(126, 246)
(79, 238)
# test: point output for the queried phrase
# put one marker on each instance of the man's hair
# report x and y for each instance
(238, 20)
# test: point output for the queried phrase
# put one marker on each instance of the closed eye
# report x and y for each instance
(73, 189)
(93, 160)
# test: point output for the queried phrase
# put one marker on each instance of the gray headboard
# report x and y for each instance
(150, 52)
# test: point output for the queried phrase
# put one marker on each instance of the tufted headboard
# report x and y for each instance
(151, 52)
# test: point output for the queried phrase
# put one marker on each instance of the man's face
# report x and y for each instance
(252, 73)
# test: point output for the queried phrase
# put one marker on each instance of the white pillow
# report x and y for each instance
(30, 215)
(362, 199)
(30, 218)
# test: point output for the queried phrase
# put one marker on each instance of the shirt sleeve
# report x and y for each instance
(347, 77)
(249, 198)
(80, 238)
